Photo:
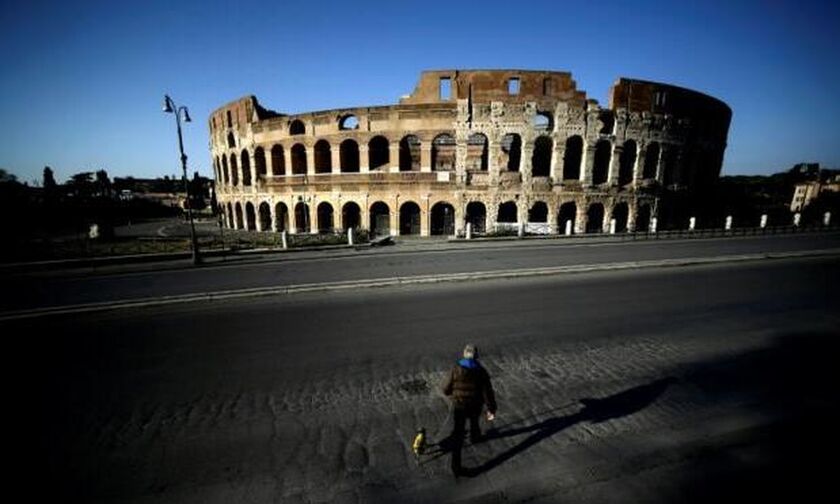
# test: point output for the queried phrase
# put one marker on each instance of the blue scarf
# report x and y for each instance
(469, 363)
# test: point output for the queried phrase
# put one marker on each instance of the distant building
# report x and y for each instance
(805, 192)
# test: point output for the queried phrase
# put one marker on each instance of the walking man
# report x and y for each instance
(468, 383)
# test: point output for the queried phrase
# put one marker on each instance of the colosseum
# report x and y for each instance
(491, 151)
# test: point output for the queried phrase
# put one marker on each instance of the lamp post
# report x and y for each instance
(169, 107)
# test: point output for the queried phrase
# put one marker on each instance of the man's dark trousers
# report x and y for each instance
(461, 415)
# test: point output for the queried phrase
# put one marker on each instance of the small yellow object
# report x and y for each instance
(419, 442)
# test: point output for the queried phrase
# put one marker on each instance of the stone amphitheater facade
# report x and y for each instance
(497, 149)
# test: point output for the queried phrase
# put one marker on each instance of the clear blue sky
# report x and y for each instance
(82, 82)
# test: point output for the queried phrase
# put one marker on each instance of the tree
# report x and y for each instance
(103, 183)
(6, 177)
(49, 179)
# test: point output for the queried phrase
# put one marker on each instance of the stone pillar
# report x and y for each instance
(553, 225)
(526, 170)
(587, 164)
(269, 164)
(252, 167)
(631, 218)
(335, 158)
(660, 168)
(494, 150)
(313, 216)
(365, 214)
(557, 161)
(310, 160)
(608, 212)
(393, 157)
(580, 219)
(615, 164)
(292, 202)
(272, 211)
(426, 156)
(639, 167)
(364, 159)
(425, 221)
(492, 215)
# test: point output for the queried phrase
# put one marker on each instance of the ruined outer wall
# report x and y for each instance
(544, 147)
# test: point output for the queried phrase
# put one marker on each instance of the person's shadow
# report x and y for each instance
(594, 410)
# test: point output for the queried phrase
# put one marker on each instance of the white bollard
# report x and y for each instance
(612, 226)
(350, 236)
(285, 239)
(728, 225)
(469, 231)
(763, 221)
(521, 231)
(826, 218)
(569, 227)
(691, 223)
(797, 217)
(653, 222)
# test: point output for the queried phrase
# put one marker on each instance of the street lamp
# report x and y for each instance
(170, 107)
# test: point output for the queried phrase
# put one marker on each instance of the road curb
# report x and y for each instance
(411, 280)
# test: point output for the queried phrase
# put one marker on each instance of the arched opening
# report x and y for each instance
(477, 152)
(409, 219)
(281, 212)
(595, 218)
(225, 170)
(651, 161)
(542, 122)
(620, 213)
(511, 151)
(325, 218)
(643, 218)
(234, 170)
(442, 220)
(231, 220)
(216, 171)
(323, 157)
(507, 213)
(231, 141)
(250, 217)
(348, 122)
(259, 163)
(351, 216)
(572, 158)
(607, 120)
(298, 159)
(601, 164)
(541, 158)
(348, 153)
(238, 216)
(477, 217)
(246, 168)
(297, 127)
(410, 153)
(302, 218)
(265, 217)
(568, 213)
(380, 219)
(538, 212)
(278, 161)
(627, 162)
(443, 153)
(379, 154)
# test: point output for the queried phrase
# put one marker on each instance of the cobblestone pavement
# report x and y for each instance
(605, 399)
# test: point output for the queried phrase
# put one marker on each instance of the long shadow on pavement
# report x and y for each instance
(594, 410)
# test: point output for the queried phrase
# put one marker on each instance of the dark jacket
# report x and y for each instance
(469, 385)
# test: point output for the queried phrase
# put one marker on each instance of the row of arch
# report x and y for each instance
(443, 158)
(441, 221)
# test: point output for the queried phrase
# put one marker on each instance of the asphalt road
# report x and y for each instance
(673, 385)
(79, 286)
